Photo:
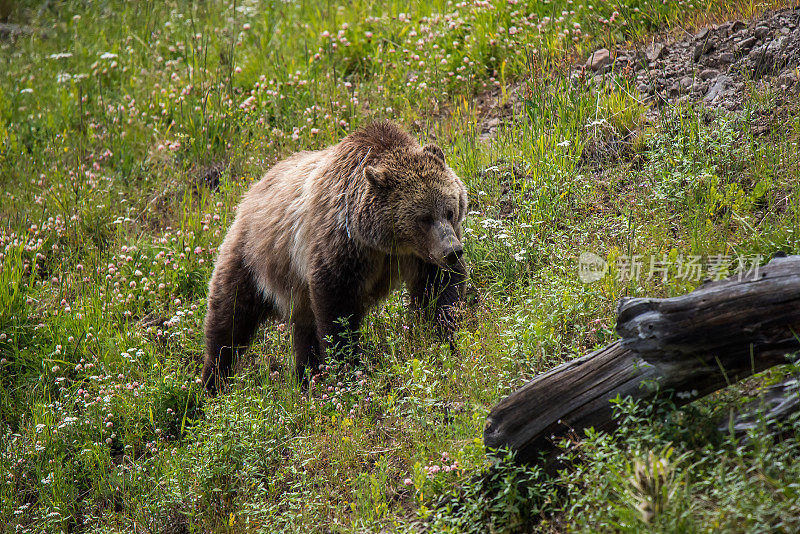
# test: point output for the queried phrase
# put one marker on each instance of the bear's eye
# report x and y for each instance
(426, 220)
(450, 215)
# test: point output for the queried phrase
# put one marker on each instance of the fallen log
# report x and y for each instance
(686, 347)
(775, 405)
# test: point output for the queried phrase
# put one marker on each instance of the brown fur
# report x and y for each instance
(325, 235)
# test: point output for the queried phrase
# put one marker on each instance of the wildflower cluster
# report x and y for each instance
(336, 389)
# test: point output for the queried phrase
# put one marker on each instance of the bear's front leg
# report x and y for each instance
(306, 346)
(437, 293)
(235, 310)
(336, 300)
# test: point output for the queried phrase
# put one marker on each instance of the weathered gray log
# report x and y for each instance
(688, 346)
(775, 405)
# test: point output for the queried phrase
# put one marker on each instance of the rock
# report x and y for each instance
(756, 53)
(655, 51)
(708, 74)
(13, 30)
(702, 48)
(686, 82)
(644, 88)
(722, 83)
(787, 78)
(761, 32)
(774, 47)
(702, 34)
(599, 59)
(726, 58)
(737, 25)
(746, 44)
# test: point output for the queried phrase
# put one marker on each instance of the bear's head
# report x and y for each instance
(420, 204)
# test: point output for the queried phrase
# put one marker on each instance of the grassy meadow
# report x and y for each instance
(128, 132)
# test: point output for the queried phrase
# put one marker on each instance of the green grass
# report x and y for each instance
(117, 119)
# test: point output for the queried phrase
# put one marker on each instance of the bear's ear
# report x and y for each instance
(376, 177)
(434, 150)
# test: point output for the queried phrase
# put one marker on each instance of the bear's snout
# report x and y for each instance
(454, 256)
(444, 247)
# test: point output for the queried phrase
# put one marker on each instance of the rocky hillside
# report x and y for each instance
(714, 65)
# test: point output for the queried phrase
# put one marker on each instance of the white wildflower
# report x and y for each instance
(600, 122)
(491, 223)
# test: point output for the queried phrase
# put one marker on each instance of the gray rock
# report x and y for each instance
(14, 30)
(746, 44)
(599, 59)
(786, 79)
(775, 46)
(726, 58)
(722, 83)
(702, 48)
(686, 82)
(655, 51)
(737, 25)
(761, 32)
(644, 88)
(702, 34)
(708, 74)
(756, 53)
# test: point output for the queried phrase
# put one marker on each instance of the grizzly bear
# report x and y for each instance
(327, 234)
